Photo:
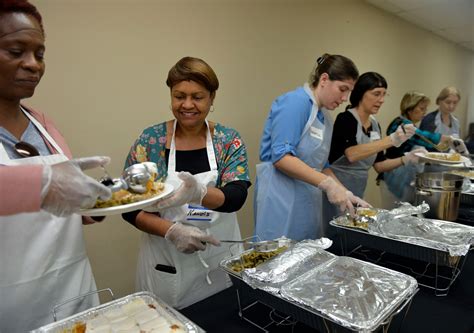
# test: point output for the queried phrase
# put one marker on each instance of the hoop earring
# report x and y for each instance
(211, 109)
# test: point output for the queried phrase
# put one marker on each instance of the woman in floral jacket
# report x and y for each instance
(206, 162)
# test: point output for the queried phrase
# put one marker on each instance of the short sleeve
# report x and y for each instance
(343, 135)
(288, 116)
(150, 147)
(231, 154)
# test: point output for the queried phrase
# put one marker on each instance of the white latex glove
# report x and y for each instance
(402, 134)
(340, 196)
(459, 146)
(411, 157)
(190, 191)
(189, 239)
(66, 189)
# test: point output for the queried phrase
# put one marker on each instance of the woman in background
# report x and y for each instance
(210, 160)
(357, 143)
(395, 184)
(294, 150)
(443, 120)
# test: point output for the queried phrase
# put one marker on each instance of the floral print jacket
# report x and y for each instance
(230, 150)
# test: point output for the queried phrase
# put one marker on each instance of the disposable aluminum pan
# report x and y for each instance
(352, 293)
(300, 258)
(451, 237)
(172, 316)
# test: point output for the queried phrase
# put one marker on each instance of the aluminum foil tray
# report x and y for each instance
(451, 237)
(71, 324)
(298, 259)
(352, 293)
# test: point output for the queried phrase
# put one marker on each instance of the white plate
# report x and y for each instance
(128, 207)
(440, 160)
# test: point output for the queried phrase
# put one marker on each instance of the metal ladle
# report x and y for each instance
(24, 149)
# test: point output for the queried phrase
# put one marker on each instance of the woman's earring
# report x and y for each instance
(211, 109)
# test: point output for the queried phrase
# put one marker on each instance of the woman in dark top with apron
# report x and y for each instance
(357, 143)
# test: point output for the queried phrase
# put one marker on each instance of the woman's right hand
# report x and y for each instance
(189, 239)
(402, 134)
(340, 196)
(66, 189)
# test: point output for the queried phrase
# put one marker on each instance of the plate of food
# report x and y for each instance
(124, 201)
(443, 158)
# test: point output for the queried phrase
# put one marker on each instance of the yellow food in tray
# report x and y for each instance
(454, 157)
(123, 197)
(254, 258)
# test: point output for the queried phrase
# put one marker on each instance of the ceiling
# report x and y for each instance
(450, 19)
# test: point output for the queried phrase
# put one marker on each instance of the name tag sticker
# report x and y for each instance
(374, 136)
(316, 132)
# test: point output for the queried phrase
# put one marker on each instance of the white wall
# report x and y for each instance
(107, 62)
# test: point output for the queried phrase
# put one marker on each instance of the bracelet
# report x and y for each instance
(401, 159)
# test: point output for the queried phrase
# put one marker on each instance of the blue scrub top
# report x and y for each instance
(285, 123)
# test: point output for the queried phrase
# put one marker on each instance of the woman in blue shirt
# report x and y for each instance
(294, 150)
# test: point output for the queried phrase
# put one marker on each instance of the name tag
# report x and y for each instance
(197, 213)
(316, 132)
(374, 136)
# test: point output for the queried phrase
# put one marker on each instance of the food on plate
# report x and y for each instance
(123, 197)
(134, 316)
(255, 258)
(454, 157)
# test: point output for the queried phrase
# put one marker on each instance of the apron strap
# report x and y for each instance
(43, 131)
(209, 147)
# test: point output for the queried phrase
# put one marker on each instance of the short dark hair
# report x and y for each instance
(336, 66)
(193, 69)
(20, 6)
(365, 82)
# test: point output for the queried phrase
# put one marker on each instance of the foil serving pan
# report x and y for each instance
(298, 259)
(446, 236)
(352, 293)
(68, 324)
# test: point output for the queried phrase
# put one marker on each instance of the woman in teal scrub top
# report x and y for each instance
(294, 150)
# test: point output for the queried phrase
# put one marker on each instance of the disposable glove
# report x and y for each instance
(190, 191)
(411, 157)
(189, 239)
(402, 134)
(66, 189)
(459, 146)
(340, 196)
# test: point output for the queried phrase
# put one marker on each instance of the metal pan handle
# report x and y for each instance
(55, 308)
(404, 304)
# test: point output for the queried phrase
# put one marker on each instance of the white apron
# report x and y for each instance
(352, 175)
(289, 207)
(42, 258)
(441, 127)
(195, 276)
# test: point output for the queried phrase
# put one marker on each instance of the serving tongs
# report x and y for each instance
(262, 246)
(135, 178)
(441, 147)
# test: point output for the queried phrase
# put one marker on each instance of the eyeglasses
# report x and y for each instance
(24, 149)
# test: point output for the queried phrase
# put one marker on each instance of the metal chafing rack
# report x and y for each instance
(287, 284)
(437, 249)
